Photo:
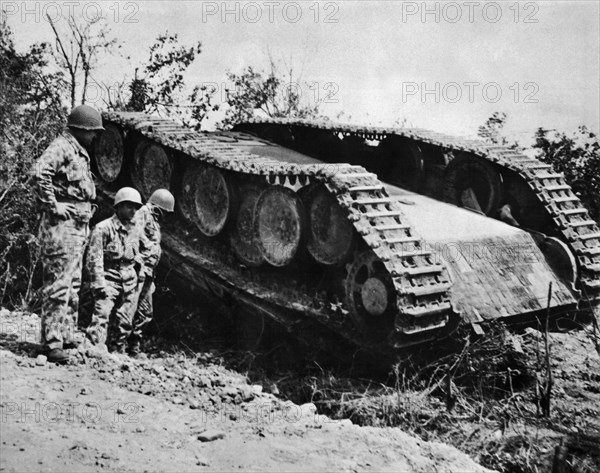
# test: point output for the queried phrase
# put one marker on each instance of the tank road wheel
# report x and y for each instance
(403, 163)
(152, 168)
(279, 223)
(108, 153)
(472, 182)
(370, 295)
(243, 240)
(330, 233)
(207, 198)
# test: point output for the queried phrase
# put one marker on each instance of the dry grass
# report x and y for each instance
(487, 399)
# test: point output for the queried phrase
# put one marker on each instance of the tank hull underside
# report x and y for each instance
(436, 278)
(547, 203)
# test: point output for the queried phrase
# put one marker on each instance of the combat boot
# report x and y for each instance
(119, 349)
(74, 339)
(58, 356)
(135, 351)
(134, 348)
(73, 343)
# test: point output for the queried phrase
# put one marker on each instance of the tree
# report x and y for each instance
(160, 90)
(578, 157)
(491, 130)
(31, 114)
(77, 49)
(202, 106)
(158, 85)
(267, 93)
(139, 93)
(31, 101)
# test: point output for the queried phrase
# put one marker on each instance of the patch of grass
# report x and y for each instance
(483, 398)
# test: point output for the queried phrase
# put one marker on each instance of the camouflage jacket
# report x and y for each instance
(115, 250)
(146, 222)
(62, 173)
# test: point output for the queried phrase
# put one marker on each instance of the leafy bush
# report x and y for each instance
(578, 157)
(31, 115)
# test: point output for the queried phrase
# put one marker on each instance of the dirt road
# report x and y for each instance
(176, 413)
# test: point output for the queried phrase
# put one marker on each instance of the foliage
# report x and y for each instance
(31, 115)
(491, 130)
(479, 394)
(139, 91)
(161, 89)
(202, 105)
(271, 94)
(77, 49)
(578, 157)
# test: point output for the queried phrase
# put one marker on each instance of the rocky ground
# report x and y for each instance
(176, 412)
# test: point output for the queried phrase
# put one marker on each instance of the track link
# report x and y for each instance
(571, 218)
(422, 286)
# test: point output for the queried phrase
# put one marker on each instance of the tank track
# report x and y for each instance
(422, 286)
(570, 216)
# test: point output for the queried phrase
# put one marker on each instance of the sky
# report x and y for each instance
(444, 66)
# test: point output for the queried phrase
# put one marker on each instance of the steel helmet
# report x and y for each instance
(128, 194)
(85, 118)
(164, 199)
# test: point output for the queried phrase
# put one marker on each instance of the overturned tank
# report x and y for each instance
(387, 237)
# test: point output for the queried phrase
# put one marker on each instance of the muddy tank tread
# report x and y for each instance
(571, 218)
(422, 285)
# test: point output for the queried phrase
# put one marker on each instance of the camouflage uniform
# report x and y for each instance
(62, 175)
(115, 256)
(147, 225)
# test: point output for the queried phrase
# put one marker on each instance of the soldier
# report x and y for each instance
(115, 259)
(147, 220)
(63, 182)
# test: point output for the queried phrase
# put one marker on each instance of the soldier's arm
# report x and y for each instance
(147, 254)
(153, 236)
(43, 172)
(96, 259)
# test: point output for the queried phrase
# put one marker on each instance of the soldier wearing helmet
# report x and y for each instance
(63, 183)
(147, 220)
(115, 257)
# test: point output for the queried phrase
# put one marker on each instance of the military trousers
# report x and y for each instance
(143, 315)
(62, 246)
(114, 307)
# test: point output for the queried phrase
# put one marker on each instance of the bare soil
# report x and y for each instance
(175, 412)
